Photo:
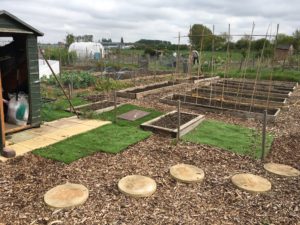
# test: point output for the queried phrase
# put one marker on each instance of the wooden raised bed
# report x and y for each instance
(142, 91)
(197, 80)
(167, 124)
(98, 107)
(202, 104)
(241, 98)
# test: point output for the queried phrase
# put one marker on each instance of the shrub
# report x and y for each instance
(108, 84)
(79, 79)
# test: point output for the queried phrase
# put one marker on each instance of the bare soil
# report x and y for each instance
(171, 121)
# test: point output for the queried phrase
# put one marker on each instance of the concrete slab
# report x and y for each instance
(133, 115)
(21, 136)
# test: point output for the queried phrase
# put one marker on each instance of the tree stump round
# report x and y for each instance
(281, 169)
(187, 173)
(66, 195)
(137, 186)
(251, 183)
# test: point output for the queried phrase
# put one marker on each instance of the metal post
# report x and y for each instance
(179, 122)
(264, 134)
(115, 106)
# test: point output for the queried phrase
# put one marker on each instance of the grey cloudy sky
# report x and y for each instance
(151, 19)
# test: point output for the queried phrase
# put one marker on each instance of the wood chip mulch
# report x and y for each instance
(24, 180)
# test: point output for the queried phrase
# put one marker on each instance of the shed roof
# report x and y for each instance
(21, 27)
(284, 46)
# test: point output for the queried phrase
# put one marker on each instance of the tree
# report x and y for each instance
(70, 38)
(106, 40)
(284, 39)
(296, 36)
(195, 37)
(84, 38)
(122, 41)
(260, 43)
(242, 44)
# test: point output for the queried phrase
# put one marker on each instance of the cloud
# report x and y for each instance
(153, 19)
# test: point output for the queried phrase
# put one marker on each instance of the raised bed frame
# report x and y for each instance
(138, 93)
(191, 103)
(197, 80)
(184, 128)
(106, 109)
(257, 100)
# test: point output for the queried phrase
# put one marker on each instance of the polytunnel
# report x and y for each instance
(87, 50)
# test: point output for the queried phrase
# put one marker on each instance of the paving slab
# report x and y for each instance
(62, 123)
(45, 129)
(133, 115)
(21, 136)
(38, 142)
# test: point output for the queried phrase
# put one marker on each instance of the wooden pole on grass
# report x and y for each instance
(61, 87)
(179, 121)
(264, 134)
(115, 106)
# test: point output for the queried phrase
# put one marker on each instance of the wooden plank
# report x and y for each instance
(2, 115)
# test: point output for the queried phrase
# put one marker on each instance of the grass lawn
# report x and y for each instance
(56, 110)
(230, 137)
(111, 138)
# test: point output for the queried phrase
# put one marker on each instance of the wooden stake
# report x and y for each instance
(179, 122)
(115, 106)
(177, 54)
(61, 87)
(264, 134)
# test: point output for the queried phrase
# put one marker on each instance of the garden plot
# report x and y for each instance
(98, 107)
(234, 97)
(142, 91)
(168, 124)
(204, 104)
(240, 98)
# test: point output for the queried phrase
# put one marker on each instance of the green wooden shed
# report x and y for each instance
(19, 70)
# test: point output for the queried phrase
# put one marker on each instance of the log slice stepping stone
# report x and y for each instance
(281, 169)
(187, 173)
(137, 186)
(66, 195)
(251, 183)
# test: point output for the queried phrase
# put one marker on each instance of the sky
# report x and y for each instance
(152, 19)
